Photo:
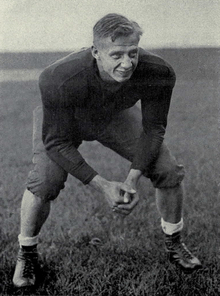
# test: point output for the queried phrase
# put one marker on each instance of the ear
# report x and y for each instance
(95, 52)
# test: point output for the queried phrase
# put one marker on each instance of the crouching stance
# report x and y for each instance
(92, 95)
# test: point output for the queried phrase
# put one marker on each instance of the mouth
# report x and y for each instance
(125, 72)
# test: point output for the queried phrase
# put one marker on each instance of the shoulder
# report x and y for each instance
(149, 59)
(74, 64)
(151, 65)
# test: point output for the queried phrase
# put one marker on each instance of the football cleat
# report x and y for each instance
(25, 270)
(179, 254)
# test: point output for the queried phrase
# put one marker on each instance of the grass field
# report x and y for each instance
(72, 264)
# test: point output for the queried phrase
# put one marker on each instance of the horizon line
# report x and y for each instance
(78, 48)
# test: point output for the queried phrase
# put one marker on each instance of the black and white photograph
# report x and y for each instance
(110, 136)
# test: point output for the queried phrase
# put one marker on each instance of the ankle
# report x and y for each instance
(171, 228)
(29, 248)
(25, 241)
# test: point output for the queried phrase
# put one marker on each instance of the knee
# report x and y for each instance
(168, 178)
(44, 188)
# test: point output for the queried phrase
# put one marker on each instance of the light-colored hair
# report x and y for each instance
(114, 25)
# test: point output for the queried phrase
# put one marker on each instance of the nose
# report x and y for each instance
(126, 63)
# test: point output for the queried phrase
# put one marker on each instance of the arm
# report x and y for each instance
(155, 108)
(60, 131)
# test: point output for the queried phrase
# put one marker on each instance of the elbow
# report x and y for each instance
(153, 130)
(172, 76)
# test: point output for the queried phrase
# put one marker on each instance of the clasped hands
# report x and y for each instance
(121, 197)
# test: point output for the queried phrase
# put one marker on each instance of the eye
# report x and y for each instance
(133, 54)
(116, 56)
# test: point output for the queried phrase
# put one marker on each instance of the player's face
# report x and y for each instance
(117, 60)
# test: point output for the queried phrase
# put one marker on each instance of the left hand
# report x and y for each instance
(129, 202)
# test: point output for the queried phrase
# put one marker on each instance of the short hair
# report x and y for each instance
(114, 25)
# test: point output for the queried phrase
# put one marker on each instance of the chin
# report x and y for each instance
(122, 79)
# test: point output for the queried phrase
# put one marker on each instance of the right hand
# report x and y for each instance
(116, 193)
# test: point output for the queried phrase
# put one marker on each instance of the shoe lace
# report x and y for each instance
(177, 246)
(181, 247)
(29, 260)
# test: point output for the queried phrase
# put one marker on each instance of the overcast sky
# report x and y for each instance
(45, 25)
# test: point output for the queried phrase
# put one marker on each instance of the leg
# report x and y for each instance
(44, 184)
(166, 176)
(169, 203)
(34, 212)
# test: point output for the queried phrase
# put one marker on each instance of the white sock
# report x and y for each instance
(171, 228)
(27, 241)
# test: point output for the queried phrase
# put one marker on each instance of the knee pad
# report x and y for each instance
(47, 178)
(44, 188)
(170, 178)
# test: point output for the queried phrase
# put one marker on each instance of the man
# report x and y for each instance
(91, 95)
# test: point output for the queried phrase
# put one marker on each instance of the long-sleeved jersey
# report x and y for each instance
(78, 105)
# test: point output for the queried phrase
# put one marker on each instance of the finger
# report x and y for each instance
(127, 197)
(124, 197)
(126, 188)
(114, 207)
(129, 206)
(121, 211)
